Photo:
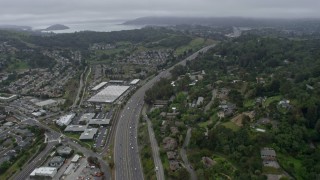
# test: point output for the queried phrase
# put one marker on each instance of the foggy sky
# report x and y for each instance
(37, 12)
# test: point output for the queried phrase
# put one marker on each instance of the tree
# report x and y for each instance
(317, 126)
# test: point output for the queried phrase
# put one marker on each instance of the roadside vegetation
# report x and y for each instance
(146, 151)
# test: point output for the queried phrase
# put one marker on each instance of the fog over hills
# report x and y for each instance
(219, 21)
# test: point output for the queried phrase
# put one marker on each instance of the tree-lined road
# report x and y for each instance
(155, 150)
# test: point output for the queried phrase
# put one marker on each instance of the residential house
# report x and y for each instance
(268, 154)
(56, 161)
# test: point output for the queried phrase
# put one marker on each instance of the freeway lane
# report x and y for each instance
(126, 153)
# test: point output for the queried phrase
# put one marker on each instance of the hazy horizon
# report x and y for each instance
(38, 12)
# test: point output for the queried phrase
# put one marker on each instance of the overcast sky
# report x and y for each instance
(37, 12)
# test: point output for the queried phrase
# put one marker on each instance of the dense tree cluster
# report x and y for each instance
(161, 90)
(288, 68)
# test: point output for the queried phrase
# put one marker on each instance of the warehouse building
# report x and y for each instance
(109, 94)
(99, 86)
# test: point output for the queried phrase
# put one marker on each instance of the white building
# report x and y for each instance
(65, 120)
(47, 103)
(134, 82)
(109, 94)
(44, 172)
(99, 86)
(75, 158)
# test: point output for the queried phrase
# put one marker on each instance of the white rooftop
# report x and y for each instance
(75, 158)
(97, 87)
(109, 94)
(135, 81)
(65, 120)
(44, 171)
(46, 102)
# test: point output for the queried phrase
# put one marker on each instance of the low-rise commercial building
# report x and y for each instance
(85, 118)
(64, 151)
(134, 82)
(88, 134)
(75, 128)
(47, 103)
(65, 120)
(44, 172)
(75, 158)
(99, 122)
(99, 86)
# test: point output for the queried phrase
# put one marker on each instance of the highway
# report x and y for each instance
(126, 153)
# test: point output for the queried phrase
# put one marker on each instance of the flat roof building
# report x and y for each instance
(109, 94)
(48, 102)
(100, 122)
(116, 81)
(44, 172)
(99, 86)
(75, 128)
(64, 150)
(75, 158)
(134, 82)
(85, 118)
(65, 120)
(88, 134)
